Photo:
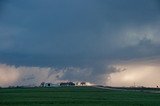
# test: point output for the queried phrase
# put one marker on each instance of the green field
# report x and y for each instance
(76, 96)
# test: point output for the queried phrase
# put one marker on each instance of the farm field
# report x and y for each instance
(76, 96)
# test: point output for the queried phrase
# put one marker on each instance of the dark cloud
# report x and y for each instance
(86, 33)
(75, 29)
(145, 48)
(2, 5)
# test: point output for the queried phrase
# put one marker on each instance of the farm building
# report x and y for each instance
(84, 84)
(43, 84)
(81, 84)
(67, 84)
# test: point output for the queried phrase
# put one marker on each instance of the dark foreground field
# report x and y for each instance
(76, 96)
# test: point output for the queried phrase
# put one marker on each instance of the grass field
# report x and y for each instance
(75, 96)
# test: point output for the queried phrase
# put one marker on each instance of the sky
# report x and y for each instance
(109, 42)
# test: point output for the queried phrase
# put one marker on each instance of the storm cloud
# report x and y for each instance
(11, 75)
(90, 36)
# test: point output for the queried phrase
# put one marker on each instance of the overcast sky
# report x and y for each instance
(79, 38)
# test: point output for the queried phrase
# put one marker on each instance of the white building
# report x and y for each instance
(43, 84)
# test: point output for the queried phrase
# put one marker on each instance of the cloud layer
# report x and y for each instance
(33, 76)
(70, 40)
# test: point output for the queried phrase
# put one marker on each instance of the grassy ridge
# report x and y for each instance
(75, 96)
